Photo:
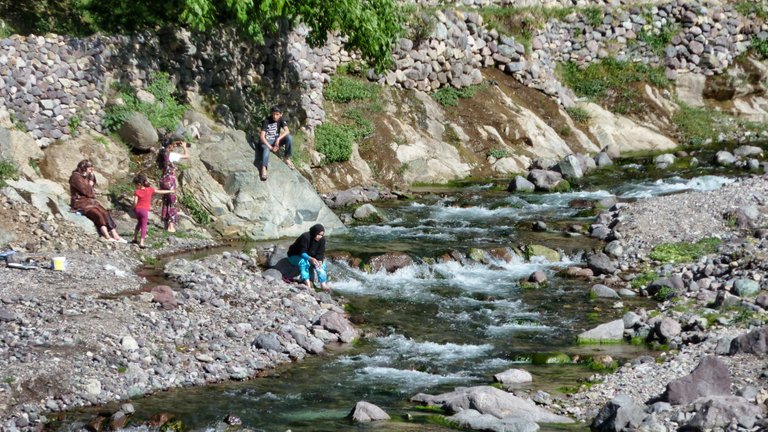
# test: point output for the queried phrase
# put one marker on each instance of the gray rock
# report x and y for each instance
(474, 420)
(513, 376)
(367, 412)
(719, 411)
(520, 184)
(602, 291)
(754, 342)
(710, 378)
(600, 263)
(490, 400)
(609, 332)
(268, 342)
(138, 132)
(570, 167)
(619, 414)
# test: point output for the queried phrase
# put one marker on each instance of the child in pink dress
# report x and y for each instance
(142, 203)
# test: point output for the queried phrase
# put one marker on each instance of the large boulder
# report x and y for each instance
(223, 177)
(138, 132)
(492, 401)
(754, 342)
(545, 180)
(20, 148)
(390, 262)
(474, 420)
(625, 134)
(111, 162)
(710, 378)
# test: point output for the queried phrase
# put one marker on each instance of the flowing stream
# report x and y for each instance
(436, 325)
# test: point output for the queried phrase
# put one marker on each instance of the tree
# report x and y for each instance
(371, 26)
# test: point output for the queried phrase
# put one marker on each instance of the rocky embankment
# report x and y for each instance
(714, 377)
(98, 332)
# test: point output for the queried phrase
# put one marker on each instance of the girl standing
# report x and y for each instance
(142, 203)
(167, 160)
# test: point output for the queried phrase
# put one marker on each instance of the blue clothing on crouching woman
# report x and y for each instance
(305, 247)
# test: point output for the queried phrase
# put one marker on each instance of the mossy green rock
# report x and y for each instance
(746, 287)
(476, 254)
(542, 251)
(550, 358)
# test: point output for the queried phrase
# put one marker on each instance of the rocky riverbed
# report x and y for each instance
(97, 332)
(710, 302)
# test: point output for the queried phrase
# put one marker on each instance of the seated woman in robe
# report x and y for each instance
(83, 200)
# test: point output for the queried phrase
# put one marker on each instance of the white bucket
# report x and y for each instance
(59, 263)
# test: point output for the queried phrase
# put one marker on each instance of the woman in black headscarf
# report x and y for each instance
(308, 253)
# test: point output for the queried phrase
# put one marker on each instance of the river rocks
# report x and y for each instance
(721, 411)
(472, 419)
(367, 412)
(520, 184)
(544, 180)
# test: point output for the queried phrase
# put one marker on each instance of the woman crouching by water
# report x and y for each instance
(308, 253)
(83, 200)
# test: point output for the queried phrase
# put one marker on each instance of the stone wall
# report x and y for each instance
(49, 82)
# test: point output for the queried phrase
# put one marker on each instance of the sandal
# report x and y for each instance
(263, 177)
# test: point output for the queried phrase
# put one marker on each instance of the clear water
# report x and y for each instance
(432, 326)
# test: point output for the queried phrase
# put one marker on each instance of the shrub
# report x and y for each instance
(497, 153)
(164, 113)
(760, 46)
(361, 127)
(196, 210)
(8, 171)
(579, 115)
(74, 124)
(449, 96)
(344, 89)
(684, 252)
(334, 141)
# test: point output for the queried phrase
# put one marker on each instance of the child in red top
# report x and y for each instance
(142, 203)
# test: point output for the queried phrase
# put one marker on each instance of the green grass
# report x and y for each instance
(199, 214)
(684, 252)
(120, 190)
(610, 82)
(696, 125)
(344, 89)
(643, 279)
(579, 115)
(449, 96)
(593, 15)
(8, 171)
(759, 46)
(164, 113)
(658, 39)
(750, 7)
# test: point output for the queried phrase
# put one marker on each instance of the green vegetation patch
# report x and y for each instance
(695, 125)
(164, 113)
(196, 210)
(8, 171)
(344, 89)
(658, 39)
(498, 153)
(334, 141)
(522, 23)
(643, 279)
(579, 115)
(752, 7)
(760, 47)
(449, 96)
(610, 82)
(684, 252)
